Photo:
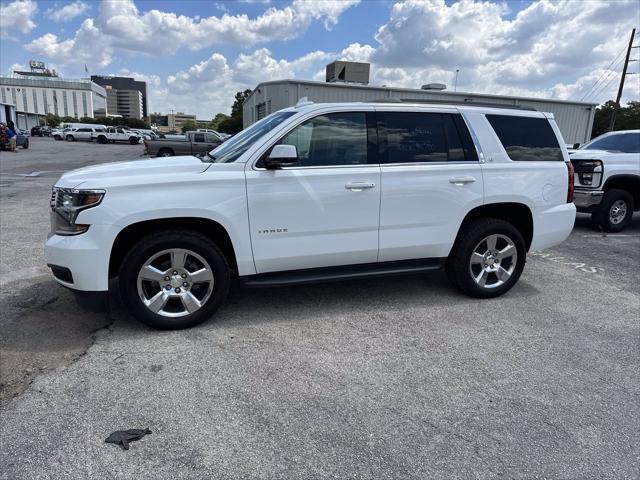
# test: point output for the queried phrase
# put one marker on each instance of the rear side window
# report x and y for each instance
(416, 137)
(198, 137)
(526, 138)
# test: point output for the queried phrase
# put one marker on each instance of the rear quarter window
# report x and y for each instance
(526, 138)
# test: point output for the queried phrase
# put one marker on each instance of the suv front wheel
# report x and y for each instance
(487, 259)
(174, 279)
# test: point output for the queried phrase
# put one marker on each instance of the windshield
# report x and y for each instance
(621, 142)
(231, 150)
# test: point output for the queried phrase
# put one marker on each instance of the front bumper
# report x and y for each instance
(84, 258)
(585, 199)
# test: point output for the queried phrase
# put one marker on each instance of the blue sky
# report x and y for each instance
(196, 53)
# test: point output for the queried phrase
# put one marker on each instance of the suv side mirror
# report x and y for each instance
(281, 156)
(576, 146)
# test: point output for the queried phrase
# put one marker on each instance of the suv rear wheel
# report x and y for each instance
(134, 140)
(487, 259)
(174, 280)
(614, 212)
(165, 152)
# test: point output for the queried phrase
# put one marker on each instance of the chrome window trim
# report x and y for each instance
(317, 167)
(408, 164)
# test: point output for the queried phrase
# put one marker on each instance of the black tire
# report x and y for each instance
(102, 140)
(606, 219)
(70, 138)
(134, 140)
(156, 243)
(26, 144)
(165, 152)
(458, 266)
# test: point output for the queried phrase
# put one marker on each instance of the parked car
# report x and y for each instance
(22, 140)
(220, 135)
(192, 143)
(318, 192)
(607, 179)
(114, 134)
(59, 133)
(40, 131)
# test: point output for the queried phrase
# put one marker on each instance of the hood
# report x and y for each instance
(108, 173)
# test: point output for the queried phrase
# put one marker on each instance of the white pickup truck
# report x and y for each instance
(607, 179)
(317, 192)
(113, 135)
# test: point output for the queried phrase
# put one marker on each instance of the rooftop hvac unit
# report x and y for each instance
(348, 72)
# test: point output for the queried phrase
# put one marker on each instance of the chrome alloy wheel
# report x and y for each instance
(618, 212)
(175, 282)
(493, 261)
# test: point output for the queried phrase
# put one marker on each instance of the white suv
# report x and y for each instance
(83, 133)
(318, 192)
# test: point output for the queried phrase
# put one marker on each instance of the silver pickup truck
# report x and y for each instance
(193, 143)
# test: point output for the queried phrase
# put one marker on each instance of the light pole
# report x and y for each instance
(455, 81)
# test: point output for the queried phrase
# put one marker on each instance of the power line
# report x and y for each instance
(601, 90)
(611, 73)
(603, 73)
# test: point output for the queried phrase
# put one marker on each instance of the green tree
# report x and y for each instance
(231, 125)
(627, 117)
(52, 120)
(189, 126)
(240, 97)
(217, 120)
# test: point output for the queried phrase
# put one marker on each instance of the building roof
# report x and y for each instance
(419, 91)
(51, 82)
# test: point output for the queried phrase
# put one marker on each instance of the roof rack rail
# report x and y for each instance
(453, 102)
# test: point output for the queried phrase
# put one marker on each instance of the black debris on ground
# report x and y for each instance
(123, 437)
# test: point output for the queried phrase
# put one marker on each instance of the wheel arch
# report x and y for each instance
(204, 226)
(630, 183)
(518, 214)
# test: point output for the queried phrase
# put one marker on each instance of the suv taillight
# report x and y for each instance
(571, 182)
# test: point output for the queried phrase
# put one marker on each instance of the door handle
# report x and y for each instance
(359, 186)
(461, 180)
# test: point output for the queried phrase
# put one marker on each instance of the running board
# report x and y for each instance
(345, 272)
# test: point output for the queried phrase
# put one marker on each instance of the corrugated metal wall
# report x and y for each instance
(574, 119)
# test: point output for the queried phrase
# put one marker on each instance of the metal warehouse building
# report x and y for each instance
(575, 119)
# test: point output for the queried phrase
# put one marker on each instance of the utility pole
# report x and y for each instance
(624, 74)
(455, 82)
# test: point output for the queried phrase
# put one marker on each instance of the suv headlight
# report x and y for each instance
(66, 204)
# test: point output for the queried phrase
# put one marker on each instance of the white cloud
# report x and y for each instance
(85, 47)
(207, 87)
(120, 25)
(68, 12)
(547, 49)
(17, 16)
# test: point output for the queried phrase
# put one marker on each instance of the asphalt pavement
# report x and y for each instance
(385, 378)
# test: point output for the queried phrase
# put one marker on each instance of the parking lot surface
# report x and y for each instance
(389, 378)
